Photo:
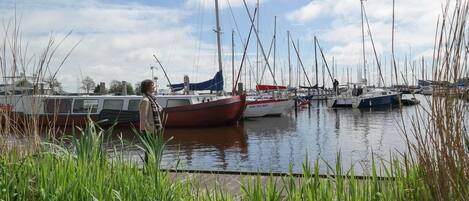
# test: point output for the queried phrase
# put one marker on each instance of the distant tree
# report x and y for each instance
(115, 87)
(88, 84)
(130, 89)
(137, 89)
(97, 89)
(54, 85)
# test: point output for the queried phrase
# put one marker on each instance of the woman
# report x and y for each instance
(149, 109)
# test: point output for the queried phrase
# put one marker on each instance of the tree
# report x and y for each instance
(97, 89)
(115, 87)
(130, 89)
(88, 84)
(54, 85)
(137, 89)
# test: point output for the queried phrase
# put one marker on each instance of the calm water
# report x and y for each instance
(273, 143)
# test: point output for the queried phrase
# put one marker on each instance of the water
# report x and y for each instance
(276, 143)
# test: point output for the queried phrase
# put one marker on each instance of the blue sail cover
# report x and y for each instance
(215, 84)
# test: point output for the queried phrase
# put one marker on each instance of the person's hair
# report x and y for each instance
(145, 85)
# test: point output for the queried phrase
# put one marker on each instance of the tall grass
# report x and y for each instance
(18, 63)
(438, 136)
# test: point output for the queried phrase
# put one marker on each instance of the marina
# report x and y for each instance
(234, 100)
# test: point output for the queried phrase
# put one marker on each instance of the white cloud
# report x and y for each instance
(222, 4)
(118, 41)
(340, 22)
(306, 13)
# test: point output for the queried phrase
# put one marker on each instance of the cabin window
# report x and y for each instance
(134, 105)
(113, 104)
(177, 102)
(60, 106)
(85, 106)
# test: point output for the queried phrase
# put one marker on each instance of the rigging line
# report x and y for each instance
(268, 57)
(324, 62)
(199, 45)
(238, 32)
(373, 44)
(236, 24)
(301, 63)
(243, 42)
(245, 51)
(259, 41)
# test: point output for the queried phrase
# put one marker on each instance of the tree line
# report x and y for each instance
(115, 87)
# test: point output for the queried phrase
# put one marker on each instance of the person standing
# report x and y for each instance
(149, 109)
(335, 85)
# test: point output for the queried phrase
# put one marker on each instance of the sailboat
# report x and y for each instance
(364, 96)
(268, 100)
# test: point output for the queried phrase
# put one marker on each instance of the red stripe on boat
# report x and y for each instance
(269, 87)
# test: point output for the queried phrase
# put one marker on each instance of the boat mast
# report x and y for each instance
(257, 44)
(275, 40)
(316, 61)
(289, 62)
(363, 43)
(218, 31)
(392, 45)
(232, 60)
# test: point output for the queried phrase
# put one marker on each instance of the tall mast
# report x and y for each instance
(257, 44)
(298, 63)
(289, 62)
(316, 61)
(392, 46)
(363, 43)
(275, 40)
(218, 31)
(232, 59)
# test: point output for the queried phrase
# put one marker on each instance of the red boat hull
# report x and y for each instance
(216, 113)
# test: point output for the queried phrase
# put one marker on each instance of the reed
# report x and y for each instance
(438, 138)
(16, 63)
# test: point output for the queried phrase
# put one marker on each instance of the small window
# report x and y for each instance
(134, 105)
(113, 104)
(60, 106)
(85, 106)
(177, 102)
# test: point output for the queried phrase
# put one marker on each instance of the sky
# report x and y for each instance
(117, 39)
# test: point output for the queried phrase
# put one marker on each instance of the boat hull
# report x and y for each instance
(257, 109)
(221, 112)
(216, 113)
(384, 100)
(280, 106)
(335, 102)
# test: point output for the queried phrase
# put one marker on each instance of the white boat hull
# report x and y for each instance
(257, 109)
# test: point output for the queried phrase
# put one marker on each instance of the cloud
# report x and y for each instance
(309, 12)
(222, 4)
(117, 41)
(340, 22)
